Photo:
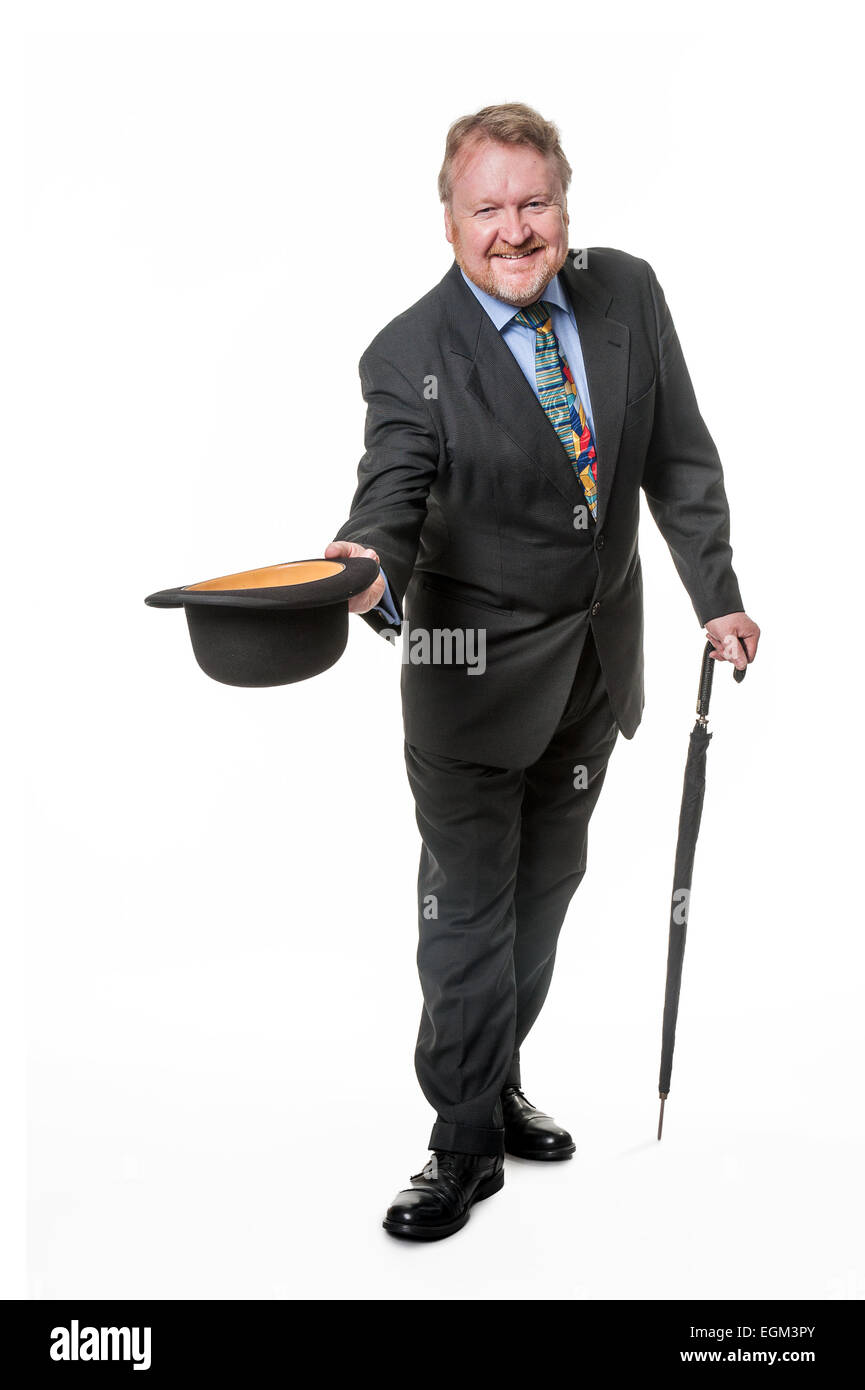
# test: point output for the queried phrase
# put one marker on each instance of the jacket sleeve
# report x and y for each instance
(394, 476)
(683, 479)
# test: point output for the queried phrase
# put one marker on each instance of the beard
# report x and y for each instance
(498, 285)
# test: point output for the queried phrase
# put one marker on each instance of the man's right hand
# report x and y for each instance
(350, 550)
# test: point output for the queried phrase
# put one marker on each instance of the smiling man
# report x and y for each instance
(513, 416)
(489, 178)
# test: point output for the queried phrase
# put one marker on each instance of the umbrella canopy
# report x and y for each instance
(691, 812)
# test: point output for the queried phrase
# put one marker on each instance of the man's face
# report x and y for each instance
(508, 220)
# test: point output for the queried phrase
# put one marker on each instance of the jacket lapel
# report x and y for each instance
(494, 379)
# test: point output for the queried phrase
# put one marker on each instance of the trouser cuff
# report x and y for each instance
(514, 1077)
(467, 1139)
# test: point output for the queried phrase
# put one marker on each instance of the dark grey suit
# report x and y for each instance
(469, 498)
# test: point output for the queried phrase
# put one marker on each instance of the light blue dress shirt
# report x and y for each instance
(520, 338)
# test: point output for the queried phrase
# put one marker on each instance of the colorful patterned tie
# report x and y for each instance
(561, 400)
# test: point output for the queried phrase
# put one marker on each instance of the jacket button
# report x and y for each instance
(596, 608)
(600, 542)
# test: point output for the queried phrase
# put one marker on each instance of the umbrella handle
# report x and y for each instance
(707, 671)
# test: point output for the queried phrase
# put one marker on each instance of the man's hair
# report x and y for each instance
(511, 124)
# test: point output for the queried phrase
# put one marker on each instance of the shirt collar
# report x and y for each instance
(501, 313)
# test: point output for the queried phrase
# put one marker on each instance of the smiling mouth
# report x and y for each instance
(515, 255)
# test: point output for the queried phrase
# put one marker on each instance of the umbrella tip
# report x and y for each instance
(664, 1095)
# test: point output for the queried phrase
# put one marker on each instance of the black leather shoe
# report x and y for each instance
(529, 1133)
(441, 1197)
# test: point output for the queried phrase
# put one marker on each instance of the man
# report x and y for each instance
(514, 413)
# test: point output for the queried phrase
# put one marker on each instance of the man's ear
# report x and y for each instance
(449, 226)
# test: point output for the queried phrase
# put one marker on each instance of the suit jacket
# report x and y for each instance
(469, 498)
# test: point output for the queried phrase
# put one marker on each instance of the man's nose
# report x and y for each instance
(514, 230)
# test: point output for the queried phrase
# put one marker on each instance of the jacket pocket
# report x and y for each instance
(637, 410)
(455, 596)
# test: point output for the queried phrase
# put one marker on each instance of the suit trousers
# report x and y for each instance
(504, 850)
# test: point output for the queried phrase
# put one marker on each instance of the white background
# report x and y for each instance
(209, 994)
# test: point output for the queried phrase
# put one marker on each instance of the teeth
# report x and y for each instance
(520, 257)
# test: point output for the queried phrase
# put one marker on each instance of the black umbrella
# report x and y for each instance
(689, 828)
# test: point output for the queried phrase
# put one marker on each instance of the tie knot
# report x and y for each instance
(535, 316)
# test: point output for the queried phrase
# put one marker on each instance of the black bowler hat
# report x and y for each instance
(271, 626)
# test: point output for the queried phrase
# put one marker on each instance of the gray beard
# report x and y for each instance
(544, 274)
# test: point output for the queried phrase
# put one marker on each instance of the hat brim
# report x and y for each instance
(292, 586)
(271, 626)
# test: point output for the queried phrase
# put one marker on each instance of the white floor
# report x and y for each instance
(198, 1192)
(177, 1151)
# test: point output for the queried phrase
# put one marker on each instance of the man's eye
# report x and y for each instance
(536, 203)
(481, 211)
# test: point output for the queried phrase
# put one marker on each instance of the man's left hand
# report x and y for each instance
(727, 635)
